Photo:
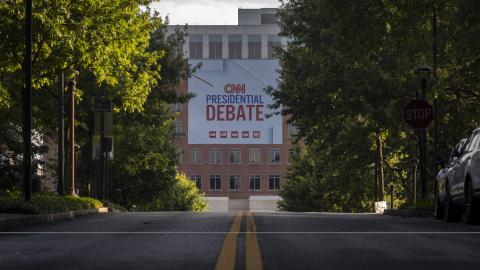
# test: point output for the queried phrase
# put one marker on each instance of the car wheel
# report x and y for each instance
(452, 213)
(471, 205)
(439, 208)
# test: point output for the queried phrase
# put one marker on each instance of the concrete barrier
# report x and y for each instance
(263, 203)
(235, 205)
(217, 204)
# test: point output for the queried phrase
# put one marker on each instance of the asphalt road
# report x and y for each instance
(176, 240)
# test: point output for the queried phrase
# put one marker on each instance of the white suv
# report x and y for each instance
(457, 186)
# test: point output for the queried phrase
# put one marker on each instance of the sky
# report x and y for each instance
(207, 12)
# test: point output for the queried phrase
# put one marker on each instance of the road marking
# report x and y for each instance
(253, 257)
(228, 253)
(230, 232)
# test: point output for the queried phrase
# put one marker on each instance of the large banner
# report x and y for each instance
(230, 104)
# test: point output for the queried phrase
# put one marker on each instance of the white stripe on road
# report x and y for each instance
(240, 232)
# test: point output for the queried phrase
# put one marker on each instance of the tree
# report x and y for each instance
(344, 84)
(106, 40)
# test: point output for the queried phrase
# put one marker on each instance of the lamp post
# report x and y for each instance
(27, 104)
(424, 75)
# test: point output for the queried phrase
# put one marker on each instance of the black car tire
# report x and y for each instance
(472, 211)
(439, 209)
(452, 213)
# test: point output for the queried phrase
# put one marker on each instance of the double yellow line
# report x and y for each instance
(253, 258)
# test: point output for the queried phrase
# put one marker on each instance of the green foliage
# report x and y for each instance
(43, 203)
(344, 84)
(182, 195)
(123, 54)
(108, 42)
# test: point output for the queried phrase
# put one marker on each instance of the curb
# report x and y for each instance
(408, 213)
(15, 222)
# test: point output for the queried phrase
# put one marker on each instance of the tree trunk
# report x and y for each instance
(380, 168)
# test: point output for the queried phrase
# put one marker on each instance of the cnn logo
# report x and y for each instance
(233, 88)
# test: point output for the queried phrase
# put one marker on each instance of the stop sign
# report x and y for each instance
(418, 114)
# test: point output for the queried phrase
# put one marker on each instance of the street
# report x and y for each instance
(187, 240)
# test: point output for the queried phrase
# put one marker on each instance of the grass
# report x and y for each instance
(44, 203)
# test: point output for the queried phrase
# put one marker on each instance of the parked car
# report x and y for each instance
(457, 185)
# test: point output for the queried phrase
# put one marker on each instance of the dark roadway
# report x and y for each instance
(183, 240)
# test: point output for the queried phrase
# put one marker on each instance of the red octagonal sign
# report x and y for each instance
(418, 114)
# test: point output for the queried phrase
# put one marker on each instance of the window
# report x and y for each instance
(215, 46)
(215, 156)
(273, 43)
(235, 46)
(274, 156)
(254, 46)
(197, 179)
(274, 182)
(268, 19)
(195, 156)
(291, 152)
(196, 46)
(292, 130)
(254, 182)
(254, 156)
(179, 129)
(180, 155)
(177, 107)
(215, 182)
(234, 156)
(473, 144)
(234, 182)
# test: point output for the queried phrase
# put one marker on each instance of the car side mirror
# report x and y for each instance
(440, 161)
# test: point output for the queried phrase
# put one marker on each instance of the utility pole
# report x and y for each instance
(103, 154)
(72, 88)
(414, 182)
(27, 104)
(60, 136)
(376, 177)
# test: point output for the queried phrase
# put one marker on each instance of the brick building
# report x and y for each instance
(236, 154)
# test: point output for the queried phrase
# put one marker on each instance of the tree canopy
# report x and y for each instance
(346, 75)
(121, 52)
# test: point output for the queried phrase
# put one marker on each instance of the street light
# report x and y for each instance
(424, 75)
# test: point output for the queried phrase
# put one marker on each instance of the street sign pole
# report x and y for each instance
(418, 114)
(423, 145)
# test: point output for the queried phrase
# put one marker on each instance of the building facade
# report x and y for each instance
(230, 142)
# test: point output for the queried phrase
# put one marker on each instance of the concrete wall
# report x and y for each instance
(238, 205)
(217, 204)
(253, 204)
(263, 203)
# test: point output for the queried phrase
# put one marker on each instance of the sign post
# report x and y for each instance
(418, 114)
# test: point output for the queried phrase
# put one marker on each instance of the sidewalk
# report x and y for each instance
(9, 221)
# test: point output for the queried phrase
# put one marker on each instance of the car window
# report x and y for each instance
(458, 149)
(472, 142)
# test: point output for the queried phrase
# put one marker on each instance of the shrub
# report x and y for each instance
(43, 203)
(182, 195)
